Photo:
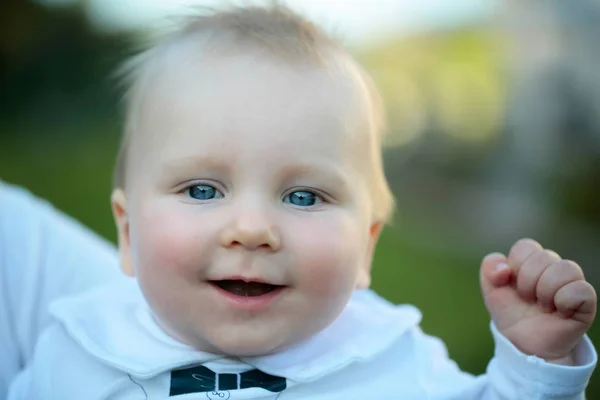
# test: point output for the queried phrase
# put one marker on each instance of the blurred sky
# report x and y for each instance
(356, 21)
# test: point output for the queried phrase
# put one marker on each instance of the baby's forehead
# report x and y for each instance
(197, 59)
(185, 75)
(180, 79)
(236, 96)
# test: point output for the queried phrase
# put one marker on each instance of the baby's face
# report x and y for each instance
(247, 203)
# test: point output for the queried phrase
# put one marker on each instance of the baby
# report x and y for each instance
(249, 196)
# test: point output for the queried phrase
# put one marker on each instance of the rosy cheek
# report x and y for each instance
(329, 263)
(166, 237)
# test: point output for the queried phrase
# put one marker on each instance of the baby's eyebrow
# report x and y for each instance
(187, 164)
(332, 175)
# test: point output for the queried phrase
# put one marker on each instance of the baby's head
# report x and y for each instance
(249, 190)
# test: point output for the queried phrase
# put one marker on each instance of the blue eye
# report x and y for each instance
(302, 198)
(204, 192)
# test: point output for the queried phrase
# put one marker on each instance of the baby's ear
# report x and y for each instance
(119, 208)
(364, 275)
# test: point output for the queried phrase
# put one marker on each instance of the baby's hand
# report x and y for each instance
(540, 302)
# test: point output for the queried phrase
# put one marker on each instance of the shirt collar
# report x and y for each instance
(114, 324)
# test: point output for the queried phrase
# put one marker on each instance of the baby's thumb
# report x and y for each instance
(494, 273)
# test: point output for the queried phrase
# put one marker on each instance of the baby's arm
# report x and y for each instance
(541, 306)
(538, 301)
(511, 375)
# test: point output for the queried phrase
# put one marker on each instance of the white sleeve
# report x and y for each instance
(511, 375)
(43, 255)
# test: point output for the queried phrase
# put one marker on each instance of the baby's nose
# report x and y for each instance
(252, 230)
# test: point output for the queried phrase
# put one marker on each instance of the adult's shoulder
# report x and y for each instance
(26, 218)
(44, 254)
(30, 226)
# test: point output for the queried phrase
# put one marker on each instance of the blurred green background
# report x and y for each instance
(494, 135)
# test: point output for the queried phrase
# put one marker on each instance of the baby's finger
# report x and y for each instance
(494, 272)
(520, 251)
(577, 300)
(531, 270)
(553, 278)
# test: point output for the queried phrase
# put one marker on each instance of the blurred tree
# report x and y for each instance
(53, 67)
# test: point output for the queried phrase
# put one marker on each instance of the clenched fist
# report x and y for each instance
(538, 301)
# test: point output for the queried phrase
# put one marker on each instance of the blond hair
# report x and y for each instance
(278, 31)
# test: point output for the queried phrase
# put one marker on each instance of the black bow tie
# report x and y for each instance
(201, 379)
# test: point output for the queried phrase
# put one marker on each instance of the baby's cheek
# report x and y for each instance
(167, 240)
(331, 262)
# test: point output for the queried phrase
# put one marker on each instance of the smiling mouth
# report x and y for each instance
(246, 289)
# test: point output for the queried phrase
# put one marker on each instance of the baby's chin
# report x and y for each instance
(250, 346)
(235, 342)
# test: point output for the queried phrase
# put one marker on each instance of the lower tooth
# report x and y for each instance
(248, 290)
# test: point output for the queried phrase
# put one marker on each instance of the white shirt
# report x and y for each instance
(43, 255)
(106, 345)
